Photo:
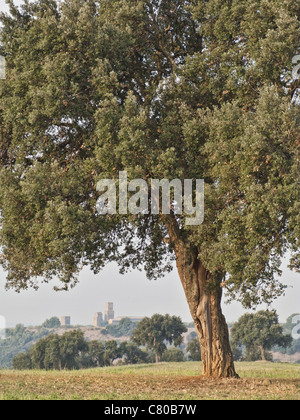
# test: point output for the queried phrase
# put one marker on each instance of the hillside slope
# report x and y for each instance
(21, 339)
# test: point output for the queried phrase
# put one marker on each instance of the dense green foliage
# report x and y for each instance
(193, 350)
(18, 339)
(53, 322)
(124, 328)
(291, 327)
(53, 352)
(172, 89)
(258, 333)
(71, 351)
(158, 330)
(172, 354)
(42, 347)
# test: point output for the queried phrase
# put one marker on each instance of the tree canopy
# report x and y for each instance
(53, 322)
(158, 330)
(124, 328)
(258, 333)
(162, 89)
(193, 349)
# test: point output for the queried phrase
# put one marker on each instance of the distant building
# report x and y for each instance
(116, 321)
(109, 312)
(109, 317)
(65, 321)
(98, 319)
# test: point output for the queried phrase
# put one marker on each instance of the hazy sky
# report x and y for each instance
(4, 7)
(132, 294)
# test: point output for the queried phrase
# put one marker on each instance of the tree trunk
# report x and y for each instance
(262, 352)
(204, 295)
(157, 354)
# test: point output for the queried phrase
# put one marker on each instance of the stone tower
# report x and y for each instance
(65, 321)
(109, 311)
(98, 319)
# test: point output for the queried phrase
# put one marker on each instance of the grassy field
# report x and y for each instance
(167, 381)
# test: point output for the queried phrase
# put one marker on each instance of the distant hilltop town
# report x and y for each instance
(100, 319)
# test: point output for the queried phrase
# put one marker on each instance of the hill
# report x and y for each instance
(165, 381)
(90, 333)
(21, 339)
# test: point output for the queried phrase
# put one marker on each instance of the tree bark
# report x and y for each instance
(262, 352)
(157, 355)
(204, 294)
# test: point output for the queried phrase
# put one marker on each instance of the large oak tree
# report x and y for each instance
(200, 89)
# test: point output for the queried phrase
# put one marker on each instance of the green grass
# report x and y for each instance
(268, 370)
(166, 381)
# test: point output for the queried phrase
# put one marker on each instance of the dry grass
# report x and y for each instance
(172, 381)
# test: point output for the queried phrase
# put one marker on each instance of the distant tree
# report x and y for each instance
(132, 354)
(111, 352)
(154, 332)
(93, 357)
(124, 328)
(53, 322)
(53, 356)
(96, 353)
(69, 351)
(237, 353)
(18, 340)
(291, 326)
(258, 333)
(173, 354)
(20, 329)
(193, 349)
(37, 354)
(22, 361)
(295, 348)
(72, 344)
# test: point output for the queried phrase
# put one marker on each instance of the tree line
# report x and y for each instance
(158, 339)
(18, 340)
(72, 351)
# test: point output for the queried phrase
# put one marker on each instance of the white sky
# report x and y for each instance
(4, 7)
(132, 294)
